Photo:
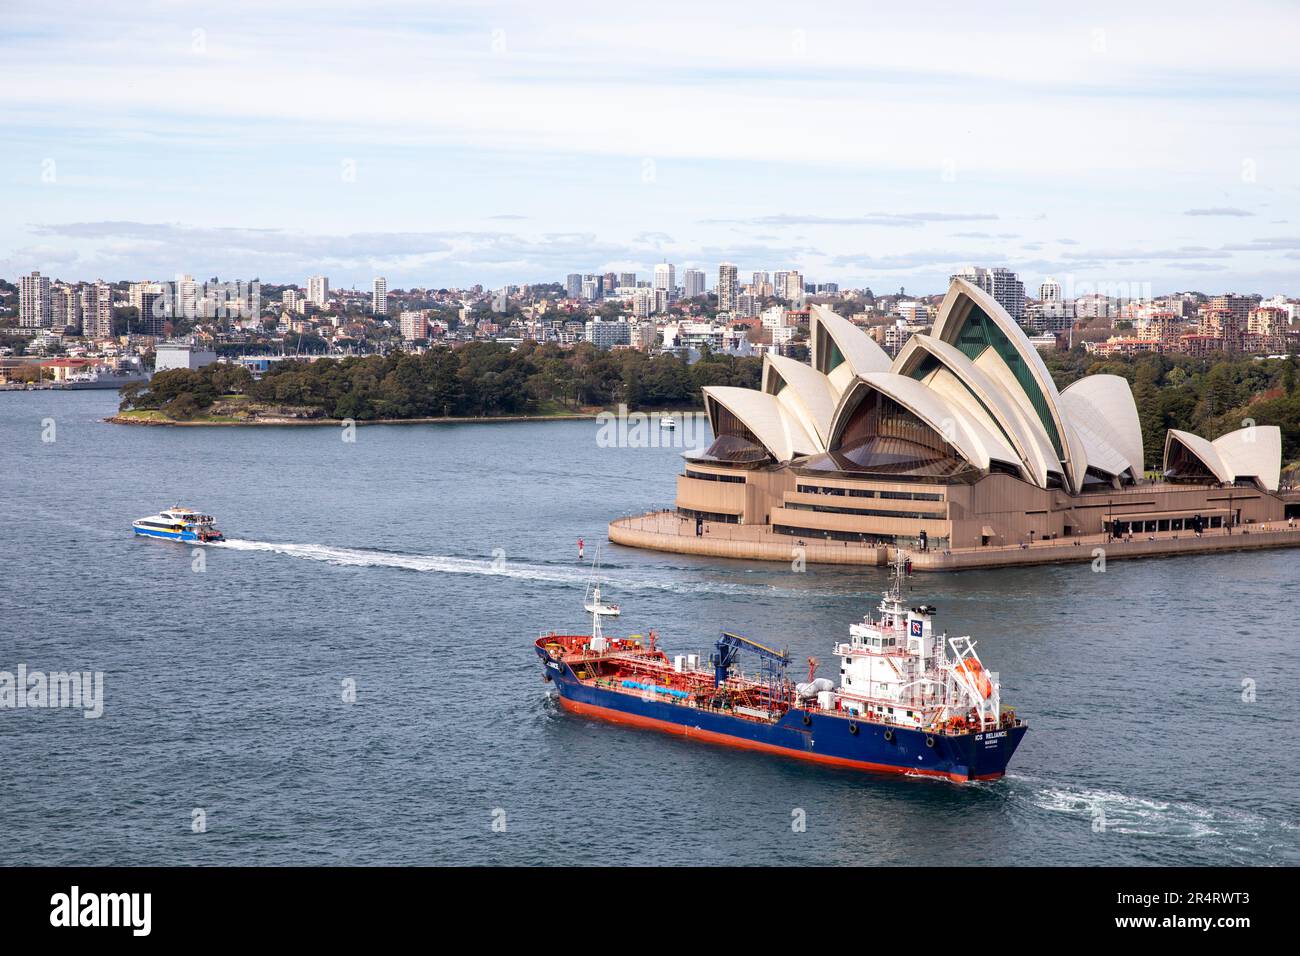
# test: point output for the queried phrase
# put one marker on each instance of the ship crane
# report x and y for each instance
(772, 662)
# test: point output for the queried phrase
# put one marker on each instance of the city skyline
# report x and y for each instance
(284, 143)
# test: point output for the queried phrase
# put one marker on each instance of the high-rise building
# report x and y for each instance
(65, 308)
(414, 325)
(379, 296)
(34, 301)
(591, 288)
(643, 302)
(666, 278)
(627, 280)
(187, 297)
(1049, 291)
(1003, 284)
(1238, 305)
(694, 282)
(573, 285)
(318, 291)
(150, 302)
(97, 310)
(793, 288)
(727, 287)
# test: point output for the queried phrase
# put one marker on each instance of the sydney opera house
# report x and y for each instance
(961, 442)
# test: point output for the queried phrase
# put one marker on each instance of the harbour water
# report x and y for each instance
(418, 563)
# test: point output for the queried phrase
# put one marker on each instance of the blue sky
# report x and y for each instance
(444, 144)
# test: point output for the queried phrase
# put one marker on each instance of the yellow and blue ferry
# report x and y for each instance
(179, 524)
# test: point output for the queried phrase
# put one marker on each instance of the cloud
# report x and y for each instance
(1219, 211)
(905, 219)
(129, 249)
(1270, 243)
(1146, 255)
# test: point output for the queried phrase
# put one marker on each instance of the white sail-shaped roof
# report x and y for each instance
(829, 334)
(1104, 404)
(1005, 353)
(804, 392)
(1202, 449)
(964, 432)
(1021, 429)
(781, 433)
(980, 384)
(1254, 452)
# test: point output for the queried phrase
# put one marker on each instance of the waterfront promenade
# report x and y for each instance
(667, 531)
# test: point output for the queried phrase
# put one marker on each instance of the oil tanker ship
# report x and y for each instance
(908, 700)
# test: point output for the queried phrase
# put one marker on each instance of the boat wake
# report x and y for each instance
(1145, 816)
(629, 578)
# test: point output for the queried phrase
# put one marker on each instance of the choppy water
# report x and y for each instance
(421, 561)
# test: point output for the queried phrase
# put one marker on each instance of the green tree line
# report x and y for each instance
(1207, 396)
(477, 379)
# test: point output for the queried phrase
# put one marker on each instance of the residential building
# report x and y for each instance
(97, 310)
(1003, 284)
(414, 325)
(727, 287)
(666, 278)
(605, 334)
(318, 291)
(34, 301)
(694, 280)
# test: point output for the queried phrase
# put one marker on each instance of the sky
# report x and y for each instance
(1145, 148)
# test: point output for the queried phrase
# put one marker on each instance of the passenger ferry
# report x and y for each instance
(909, 700)
(179, 524)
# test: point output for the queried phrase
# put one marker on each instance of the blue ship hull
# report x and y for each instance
(170, 535)
(817, 736)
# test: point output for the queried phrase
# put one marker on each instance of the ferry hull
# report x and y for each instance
(818, 737)
(188, 536)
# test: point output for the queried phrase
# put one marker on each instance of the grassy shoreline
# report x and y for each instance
(158, 419)
(152, 417)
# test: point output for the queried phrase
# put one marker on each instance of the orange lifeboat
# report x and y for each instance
(979, 677)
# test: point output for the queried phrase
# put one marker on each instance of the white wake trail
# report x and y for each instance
(625, 578)
(363, 558)
(1147, 816)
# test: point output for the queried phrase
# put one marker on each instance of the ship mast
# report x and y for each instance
(598, 608)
